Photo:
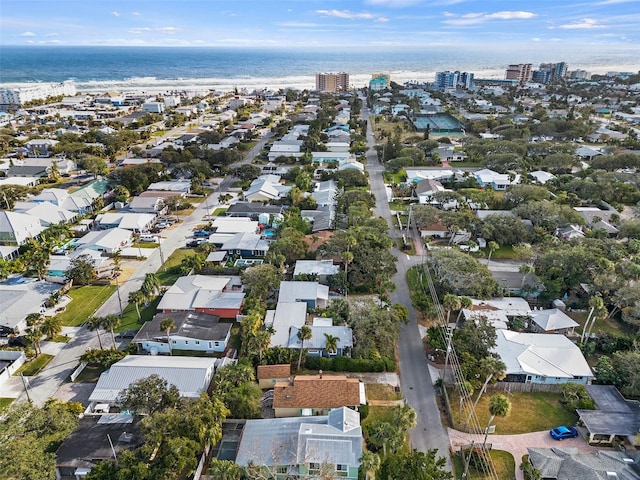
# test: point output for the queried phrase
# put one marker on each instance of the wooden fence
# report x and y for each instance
(523, 387)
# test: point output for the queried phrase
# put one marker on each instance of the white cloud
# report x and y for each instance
(346, 14)
(139, 30)
(474, 18)
(163, 30)
(27, 34)
(115, 14)
(135, 14)
(585, 23)
(536, 39)
(297, 24)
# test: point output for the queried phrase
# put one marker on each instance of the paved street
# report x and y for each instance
(416, 382)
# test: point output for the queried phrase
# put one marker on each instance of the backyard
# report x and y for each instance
(166, 275)
(503, 462)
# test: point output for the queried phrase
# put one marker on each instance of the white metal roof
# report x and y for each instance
(552, 319)
(286, 316)
(540, 354)
(191, 375)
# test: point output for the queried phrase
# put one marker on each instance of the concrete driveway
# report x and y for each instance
(517, 445)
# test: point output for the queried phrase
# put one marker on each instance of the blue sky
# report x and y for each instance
(305, 23)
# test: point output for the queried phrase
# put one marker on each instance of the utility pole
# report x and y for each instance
(25, 384)
(118, 291)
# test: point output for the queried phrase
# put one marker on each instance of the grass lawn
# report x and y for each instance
(380, 391)
(145, 245)
(90, 374)
(503, 462)
(5, 402)
(130, 315)
(219, 212)
(505, 252)
(61, 339)
(530, 412)
(29, 369)
(410, 250)
(606, 325)
(165, 275)
(86, 300)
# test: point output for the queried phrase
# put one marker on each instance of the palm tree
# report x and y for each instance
(370, 463)
(598, 310)
(331, 343)
(526, 268)
(465, 303)
(451, 302)
(95, 324)
(137, 297)
(303, 334)
(493, 368)
(167, 325)
(499, 406)
(109, 323)
(492, 246)
(384, 432)
(51, 326)
(33, 335)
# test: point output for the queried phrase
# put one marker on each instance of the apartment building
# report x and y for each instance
(332, 82)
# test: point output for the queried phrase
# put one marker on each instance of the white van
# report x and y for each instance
(149, 238)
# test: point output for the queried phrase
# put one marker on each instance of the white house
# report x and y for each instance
(108, 241)
(495, 180)
(314, 294)
(17, 228)
(191, 375)
(321, 268)
(136, 222)
(552, 320)
(541, 358)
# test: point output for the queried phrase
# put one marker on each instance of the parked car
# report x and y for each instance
(155, 230)
(127, 334)
(201, 233)
(562, 432)
(163, 225)
(196, 243)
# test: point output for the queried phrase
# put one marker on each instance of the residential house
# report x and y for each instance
(134, 162)
(495, 180)
(246, 244)
(325, 193)
(426, 189)
(59, 264)
(62, 198)
(305, 447)
(283, 319)
(109, 241)
(330, 157)
(316, 346)
(234, 225)
(193, 331)
(47, 213)
(314, 294)
(216, 258)
(29, 171)
(541, 177)
(614, 418)
(552, 321)
(92, 191)
(587, 153)
(136, 222)
(190, 375)
(151, 205)
(248, 209)
(569, 232)
(64, 165)
(40, 147)
(269, 375)
(598, 219)
(337, 146)
(308, 395)
(322, 269)
(570, 463)
(181, 186)
(17, 228)
(266, 188)
(96, 439)
(21, 296)
(321, 219)
(211, 294)
(541, 358)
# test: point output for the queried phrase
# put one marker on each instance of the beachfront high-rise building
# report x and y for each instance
(580, 75)
(520, 72)
(22, 95)
(379, 81)
(332, 82)
(447, 80)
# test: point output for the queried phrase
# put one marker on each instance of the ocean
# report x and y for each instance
(158, 69)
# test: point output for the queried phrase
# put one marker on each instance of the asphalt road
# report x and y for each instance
(415, 380)
(51, 378)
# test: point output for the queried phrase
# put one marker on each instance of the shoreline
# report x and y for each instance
(154, 85)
